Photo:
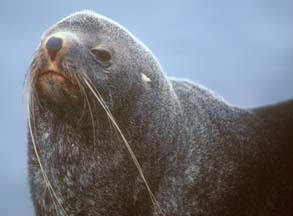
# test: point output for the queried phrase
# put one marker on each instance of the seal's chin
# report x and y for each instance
(54, 89)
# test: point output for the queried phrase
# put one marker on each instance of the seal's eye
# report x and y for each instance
(101, 54)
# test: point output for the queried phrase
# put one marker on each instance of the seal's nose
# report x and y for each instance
(53, 45)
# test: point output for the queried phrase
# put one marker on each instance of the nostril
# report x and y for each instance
(53, 45)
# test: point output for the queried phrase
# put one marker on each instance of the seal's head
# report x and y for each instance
(91, 80)
(87, 46)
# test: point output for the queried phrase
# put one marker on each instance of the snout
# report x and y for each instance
(57, 44)
(55, 84)
(53, 45)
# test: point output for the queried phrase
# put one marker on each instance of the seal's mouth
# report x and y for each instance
(52, 75)
(51, 82)
(57, 89)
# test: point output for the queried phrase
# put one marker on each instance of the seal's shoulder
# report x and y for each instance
(199, 103)
(277, 119)
(195, 93)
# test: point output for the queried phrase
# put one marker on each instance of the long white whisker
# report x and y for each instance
(92, 116)
(105, 107)
(48, 184)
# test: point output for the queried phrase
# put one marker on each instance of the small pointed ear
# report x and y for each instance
(145, 78)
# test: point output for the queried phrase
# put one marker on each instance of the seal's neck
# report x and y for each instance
(91, 158)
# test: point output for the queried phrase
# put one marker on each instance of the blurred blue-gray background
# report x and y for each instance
(241, 49)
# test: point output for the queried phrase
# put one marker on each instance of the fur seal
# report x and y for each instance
(110, 134)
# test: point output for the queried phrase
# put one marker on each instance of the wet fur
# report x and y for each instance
(199, 155)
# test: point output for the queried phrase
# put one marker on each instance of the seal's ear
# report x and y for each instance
(278, 121)
(145, 78)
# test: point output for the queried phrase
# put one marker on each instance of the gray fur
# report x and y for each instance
(200, 155)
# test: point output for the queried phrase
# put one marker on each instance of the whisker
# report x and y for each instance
(52, 193)
(80, 87)
(92, 116)
(37, 155)
(105, 107)
(32, 97)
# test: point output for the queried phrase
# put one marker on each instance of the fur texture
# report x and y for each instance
(199, 155)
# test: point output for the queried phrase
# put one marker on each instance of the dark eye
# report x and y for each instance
(102, 54)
